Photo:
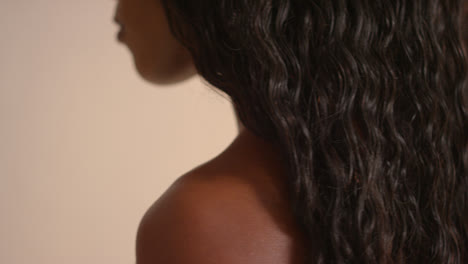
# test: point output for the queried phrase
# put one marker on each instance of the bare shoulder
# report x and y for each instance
(214, 219)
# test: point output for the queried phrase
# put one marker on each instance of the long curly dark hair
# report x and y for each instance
(366, 99)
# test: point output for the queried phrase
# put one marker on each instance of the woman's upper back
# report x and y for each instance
(232, 209)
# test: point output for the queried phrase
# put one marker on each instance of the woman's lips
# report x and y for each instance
(121, 33)
(117, 19)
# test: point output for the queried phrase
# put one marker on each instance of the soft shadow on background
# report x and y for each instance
(86, 145)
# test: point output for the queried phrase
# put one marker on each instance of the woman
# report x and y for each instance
(353, 145)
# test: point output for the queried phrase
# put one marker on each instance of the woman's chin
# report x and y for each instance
(164, 76)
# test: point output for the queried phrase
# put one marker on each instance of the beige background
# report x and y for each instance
(86, 145)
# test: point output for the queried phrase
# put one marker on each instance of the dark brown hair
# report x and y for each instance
(366, 99)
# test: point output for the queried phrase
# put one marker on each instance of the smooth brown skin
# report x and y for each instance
(159, 58)
(231, 209)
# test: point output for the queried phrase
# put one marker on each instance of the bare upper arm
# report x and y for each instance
(207, 223)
